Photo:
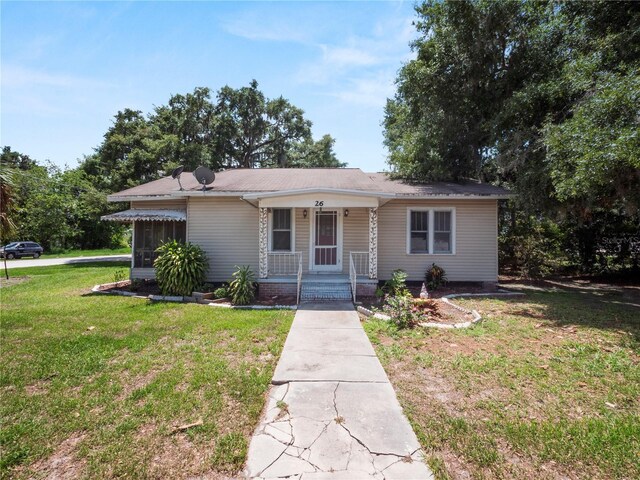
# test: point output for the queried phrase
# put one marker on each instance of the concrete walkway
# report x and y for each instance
(47, 262)
(332, 413)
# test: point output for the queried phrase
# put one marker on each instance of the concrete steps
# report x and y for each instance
(323, 291)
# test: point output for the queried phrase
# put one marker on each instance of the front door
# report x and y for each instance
(326, 251)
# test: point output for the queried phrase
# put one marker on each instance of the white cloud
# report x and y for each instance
(20, 77)
(367, 91)
(263, 26)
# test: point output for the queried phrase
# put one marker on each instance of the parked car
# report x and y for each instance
(21, 249)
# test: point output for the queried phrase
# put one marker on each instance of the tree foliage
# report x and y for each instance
(239, 128)
(58, 209)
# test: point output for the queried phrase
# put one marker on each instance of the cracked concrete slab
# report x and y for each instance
(345, 341)
(308, 366)
(333, 413)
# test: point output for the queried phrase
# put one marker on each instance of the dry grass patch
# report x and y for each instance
(548, 386)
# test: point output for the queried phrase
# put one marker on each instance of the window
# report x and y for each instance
(441, 232)
(419, 242)
(431, 231)
(150, 235)
(281, 230)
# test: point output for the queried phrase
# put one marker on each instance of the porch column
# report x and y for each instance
(262, 243)
(373, 243)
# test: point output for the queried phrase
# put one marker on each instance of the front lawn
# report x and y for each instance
(548, 386)
(96, 386)
(88, 253)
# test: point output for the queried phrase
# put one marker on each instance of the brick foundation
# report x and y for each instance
(266, 291)
(366, 289)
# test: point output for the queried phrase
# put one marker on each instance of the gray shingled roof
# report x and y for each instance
(256, 180)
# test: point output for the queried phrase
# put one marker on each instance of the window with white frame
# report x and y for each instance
(419, 235)
(281, 230)
(431, 230)
(442, 241)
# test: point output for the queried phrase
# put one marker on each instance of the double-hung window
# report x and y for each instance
(419, 237)
(431, 231)
(442, 234)
(281, 230)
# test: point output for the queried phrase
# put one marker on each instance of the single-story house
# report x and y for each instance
(326, 231)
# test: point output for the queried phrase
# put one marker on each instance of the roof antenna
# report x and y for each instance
(204, 176)
(176, 175)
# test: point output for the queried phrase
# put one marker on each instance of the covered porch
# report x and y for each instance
(320, 238)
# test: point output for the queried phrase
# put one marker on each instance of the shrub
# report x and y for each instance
(221, 292)
(180, 268)
(435, 277)
(119, 276)
(396, 286)
(242, 288)
(401, 311)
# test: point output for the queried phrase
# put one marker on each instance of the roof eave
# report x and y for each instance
(303, 191)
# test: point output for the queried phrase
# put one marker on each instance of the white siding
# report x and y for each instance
(476, 257)
(302, 236)
(180, 203)
(356, 234)
(227, 229)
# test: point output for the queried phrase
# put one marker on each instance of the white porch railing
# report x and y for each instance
(360, 262)
(353, 277)
(299, 281)
(283, 263)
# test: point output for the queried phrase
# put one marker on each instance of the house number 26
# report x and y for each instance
(319, 203)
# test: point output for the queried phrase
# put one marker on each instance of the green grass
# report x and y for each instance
(87, 253)
(103, 380)
(548, 385)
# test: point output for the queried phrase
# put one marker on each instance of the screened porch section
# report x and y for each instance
(149, 235)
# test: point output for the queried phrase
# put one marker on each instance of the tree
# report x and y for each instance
(7, 225)
(240, 128)
(312, 154)
(129, 154)
(60, 209)
(253, 131)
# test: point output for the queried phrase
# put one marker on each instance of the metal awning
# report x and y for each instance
(147, 215)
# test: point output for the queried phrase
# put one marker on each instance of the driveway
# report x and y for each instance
(332, 412)
(46, 262)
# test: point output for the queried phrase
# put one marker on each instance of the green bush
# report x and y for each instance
(180, 268)
(221, 292)
(119, 275)
(402, 312)
(396, 286)
(435, 277)
(242, 288)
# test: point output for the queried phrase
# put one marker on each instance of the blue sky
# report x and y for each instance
(68, 67)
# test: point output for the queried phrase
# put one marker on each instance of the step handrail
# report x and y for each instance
(353, 278)
(299, 281)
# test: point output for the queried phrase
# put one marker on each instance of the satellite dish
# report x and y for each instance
(204, 176)
(177, 171)
(176, 174)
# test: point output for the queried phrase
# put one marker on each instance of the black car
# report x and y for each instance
(21, 249)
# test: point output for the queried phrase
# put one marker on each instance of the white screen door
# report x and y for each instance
(325, 242)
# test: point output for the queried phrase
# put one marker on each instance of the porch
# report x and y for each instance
(324, 239)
